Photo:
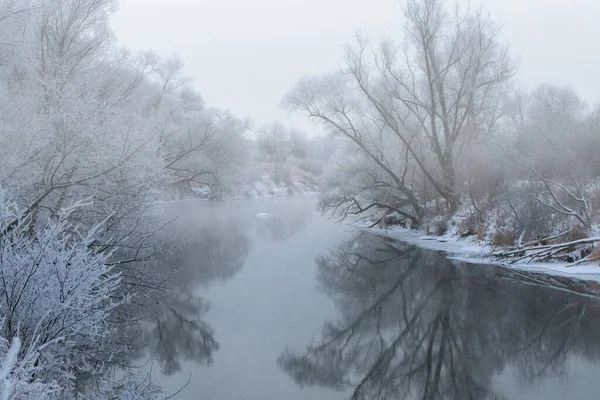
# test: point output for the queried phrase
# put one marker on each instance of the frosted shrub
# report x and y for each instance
(56, 297)
(16, 369)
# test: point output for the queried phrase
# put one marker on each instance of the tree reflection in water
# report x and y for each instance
(214, 246)
(175, 330)
(281, 227)
(178, 333)
(210, 253)
(416, 325)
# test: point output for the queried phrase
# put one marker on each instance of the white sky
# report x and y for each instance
(244, 55)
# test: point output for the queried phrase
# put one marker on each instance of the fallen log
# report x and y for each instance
(548, 252)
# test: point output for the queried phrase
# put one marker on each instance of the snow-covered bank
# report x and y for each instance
(235, 198)
(445, 243)
(476, 252)
(264, 186)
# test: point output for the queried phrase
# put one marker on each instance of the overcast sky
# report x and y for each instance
(245, 54)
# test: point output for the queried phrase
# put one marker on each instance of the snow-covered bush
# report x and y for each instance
(16, 371)
(56, 297)
(132, 386)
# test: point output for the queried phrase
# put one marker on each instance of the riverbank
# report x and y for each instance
(263, 185)
(478, 252)
(266, 196)
(259, 191)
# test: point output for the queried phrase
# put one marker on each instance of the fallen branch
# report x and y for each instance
(542, 252)
(546, 239)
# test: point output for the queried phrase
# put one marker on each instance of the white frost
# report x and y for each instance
(472, 251)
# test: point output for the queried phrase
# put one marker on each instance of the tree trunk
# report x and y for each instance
(450, 194)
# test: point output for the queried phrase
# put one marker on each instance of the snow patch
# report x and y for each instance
(476, 252)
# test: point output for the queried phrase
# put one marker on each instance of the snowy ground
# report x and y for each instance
(469, 250)
(261, 187)
(267, 187)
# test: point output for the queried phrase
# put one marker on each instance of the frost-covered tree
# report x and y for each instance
(72, 126)
(433, 94)
(57, 297)
(17, 369)
(201, 147)
(277, 144)
(86, 122)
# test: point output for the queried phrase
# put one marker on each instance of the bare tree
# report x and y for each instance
(439, 90)
(333, 100)
(443, 88)
(553, 190)
(278, 142)
(486, 186)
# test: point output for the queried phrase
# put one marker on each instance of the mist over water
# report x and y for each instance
(304, 308)
(253, 262)
(153, 237)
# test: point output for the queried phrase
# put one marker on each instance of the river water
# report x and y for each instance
(277, 302)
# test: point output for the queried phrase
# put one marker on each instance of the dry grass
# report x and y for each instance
(440, 228)
(577, 232)
(468, 225)
(595, 255)
(503, 238)
(480, 231)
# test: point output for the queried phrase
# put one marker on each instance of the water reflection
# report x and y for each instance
(174, 329)
(415, 325)
(213, 244)
(280, 228)
(209, 253)
(277, 219)
(178, 333)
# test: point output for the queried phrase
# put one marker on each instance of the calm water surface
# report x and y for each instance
(291, 306)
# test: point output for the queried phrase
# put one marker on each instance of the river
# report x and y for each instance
(277, 302)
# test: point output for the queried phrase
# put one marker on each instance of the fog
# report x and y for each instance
(465, 122)
(244, 55)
